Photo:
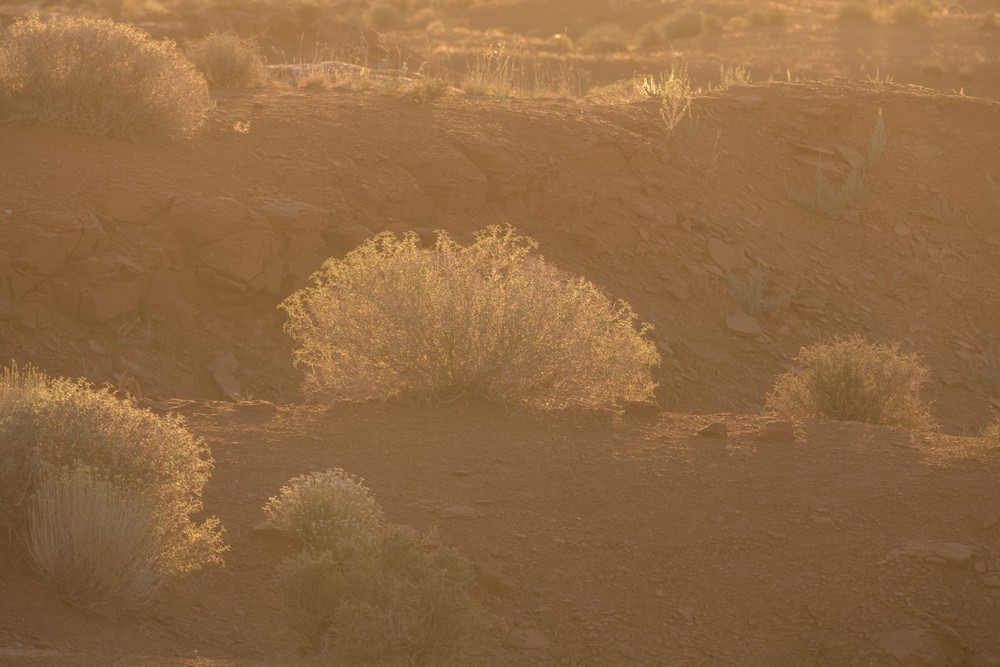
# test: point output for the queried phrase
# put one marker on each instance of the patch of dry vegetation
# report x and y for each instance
(98, 77)
(364, 590)
(854, 380)
(80, 458)
(395, 320)
(227, 60)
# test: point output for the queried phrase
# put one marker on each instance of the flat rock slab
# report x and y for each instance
(743, 325)
(937, 552)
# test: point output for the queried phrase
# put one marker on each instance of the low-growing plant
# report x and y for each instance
(854, 380)
(98, 77)
(990, 373)
(492, 319)
(876, 143)
(364, 590)
(92, 542)
(673, 91)
(730, 77)
(983, 447)
(491, 74)
(227, 60)
(51, 424)
(750, 293)
(326, 509)
(426, 90)
(830, 199)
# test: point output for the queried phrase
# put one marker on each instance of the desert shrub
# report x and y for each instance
(400, 601)
(764, 17)
(493, 72)
(326, 509)
(855, 10)
(98, 77)
(853, 380)
(991, 434)
(648, 34)
(604, 38)
(429, 89)
(682, 23)
(51, 424)
(92, 542)
(911, 11)
(227, 60)
(491, 319)
(382, 15)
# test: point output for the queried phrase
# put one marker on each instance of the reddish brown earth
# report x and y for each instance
(601, 539)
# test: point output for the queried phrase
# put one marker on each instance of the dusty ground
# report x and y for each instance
(600, 539)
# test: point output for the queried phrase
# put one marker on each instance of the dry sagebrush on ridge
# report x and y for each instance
(49, 425)
(99, 77)
(854, 380)
(491, 319)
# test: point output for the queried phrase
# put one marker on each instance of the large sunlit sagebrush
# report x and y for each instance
(395, 320)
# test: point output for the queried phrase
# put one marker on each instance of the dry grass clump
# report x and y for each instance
(853, 380)
(393, 319)
(227, 60)
(92, 542)
(98, 77)
(369, 592)
(49, 426)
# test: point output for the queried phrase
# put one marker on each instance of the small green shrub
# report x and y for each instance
(324, 509)
(227, 60)
(493, 320)
(98, 77)
(402, 601)
(47, 425)
(604, 38)
(92, 542)
(853, 380)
